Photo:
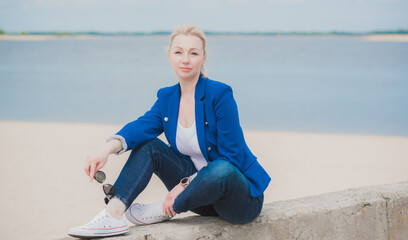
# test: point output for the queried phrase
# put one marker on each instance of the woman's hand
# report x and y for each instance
(97, 160)
(169, 200)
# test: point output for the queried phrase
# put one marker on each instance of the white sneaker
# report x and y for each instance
(100, 226)
(143, 214)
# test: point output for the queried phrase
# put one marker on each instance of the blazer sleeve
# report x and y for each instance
(143, 129)
(230, 138)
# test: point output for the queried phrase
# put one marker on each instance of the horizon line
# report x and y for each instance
(400, 31)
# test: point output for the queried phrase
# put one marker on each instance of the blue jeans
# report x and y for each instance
(219, 189)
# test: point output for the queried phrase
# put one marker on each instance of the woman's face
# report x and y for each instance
(186, 56)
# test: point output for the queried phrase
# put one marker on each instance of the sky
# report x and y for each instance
(210, 15)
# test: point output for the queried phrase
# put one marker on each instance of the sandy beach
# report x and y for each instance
(387, 37)
(45, 190)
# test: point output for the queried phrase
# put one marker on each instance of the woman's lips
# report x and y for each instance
(184, 69)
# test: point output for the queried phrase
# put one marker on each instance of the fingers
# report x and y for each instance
(87, 166)
(172, 211)
(168, 207)
(169, 200)
(99, 166)
(93, 164)
(92, 173)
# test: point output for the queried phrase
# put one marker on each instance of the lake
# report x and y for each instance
(335, 84)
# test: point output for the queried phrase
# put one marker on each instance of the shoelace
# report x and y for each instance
(151, 212)
(96, 220)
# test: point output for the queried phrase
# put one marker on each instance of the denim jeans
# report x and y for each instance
(219, 189)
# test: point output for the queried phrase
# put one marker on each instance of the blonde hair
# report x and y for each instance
(191, 29)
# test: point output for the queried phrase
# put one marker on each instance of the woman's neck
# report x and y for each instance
(187, 86)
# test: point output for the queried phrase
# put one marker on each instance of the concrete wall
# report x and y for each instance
(368, 213)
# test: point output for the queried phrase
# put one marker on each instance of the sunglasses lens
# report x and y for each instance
(100, 176)
(107, 199)
(108, 189)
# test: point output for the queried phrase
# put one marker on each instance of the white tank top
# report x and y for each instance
(187, 144)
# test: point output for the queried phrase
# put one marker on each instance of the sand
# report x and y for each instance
(387, 37)
(45, 190)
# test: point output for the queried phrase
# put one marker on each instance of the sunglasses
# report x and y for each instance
(108, 189)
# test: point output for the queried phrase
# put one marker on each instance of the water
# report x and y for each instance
(312, 84)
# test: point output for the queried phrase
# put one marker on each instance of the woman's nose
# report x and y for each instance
(185, 58)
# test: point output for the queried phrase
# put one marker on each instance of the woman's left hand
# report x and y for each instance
(169, 200)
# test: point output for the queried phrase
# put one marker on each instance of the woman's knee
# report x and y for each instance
(224, 175)
(221, 173)
(221, 169)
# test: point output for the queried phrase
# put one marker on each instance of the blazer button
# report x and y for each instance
(206, 123)
(209, 148)
(169, 145)
(166, 119)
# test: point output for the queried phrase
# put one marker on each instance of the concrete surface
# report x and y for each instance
(368, 213)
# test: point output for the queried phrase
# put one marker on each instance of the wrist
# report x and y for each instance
(118, 146)
(113, 146)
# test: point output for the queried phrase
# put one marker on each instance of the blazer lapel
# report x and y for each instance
(173, 106)
(199, 114)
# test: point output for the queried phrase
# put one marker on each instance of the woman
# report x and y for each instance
(207, 166)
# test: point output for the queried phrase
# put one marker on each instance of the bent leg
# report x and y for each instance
(223, 186)
(152, 157)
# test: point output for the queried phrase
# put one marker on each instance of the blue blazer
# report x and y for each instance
(219, 133)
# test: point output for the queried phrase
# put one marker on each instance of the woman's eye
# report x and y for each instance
(194, 53)
(177, 52)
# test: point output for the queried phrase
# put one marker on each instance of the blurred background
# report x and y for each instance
(321, 87)
(293, 64)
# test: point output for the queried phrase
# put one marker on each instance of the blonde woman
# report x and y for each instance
(207, 166)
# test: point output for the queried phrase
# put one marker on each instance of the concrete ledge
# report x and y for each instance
(374, 212)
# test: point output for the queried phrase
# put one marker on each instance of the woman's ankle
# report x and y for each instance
(116, 208)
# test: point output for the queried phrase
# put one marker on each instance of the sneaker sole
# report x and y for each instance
(102, 234)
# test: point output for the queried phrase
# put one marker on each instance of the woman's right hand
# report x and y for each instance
(95, 162)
